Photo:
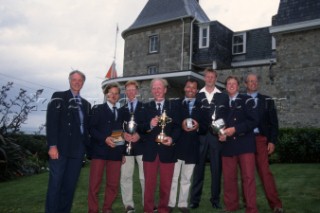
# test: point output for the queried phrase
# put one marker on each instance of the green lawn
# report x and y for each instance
(298, 186)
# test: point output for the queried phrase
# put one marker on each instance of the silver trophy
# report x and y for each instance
(217, 125)
(131, 128)
(189, 123)
(163, 120)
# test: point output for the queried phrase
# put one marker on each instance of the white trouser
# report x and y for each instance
(126, 180)
(185, 182)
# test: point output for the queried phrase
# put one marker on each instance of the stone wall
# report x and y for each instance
(295, 87)
(170, 56)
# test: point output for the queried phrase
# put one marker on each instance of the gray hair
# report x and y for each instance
(162, 80)
(77, 72)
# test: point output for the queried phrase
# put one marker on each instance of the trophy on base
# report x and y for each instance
(217, 125)
(163, 120)
(131, 128)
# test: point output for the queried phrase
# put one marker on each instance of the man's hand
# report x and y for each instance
(53, 152)
(195, 125)
(271, 148)
(154, 121)
(222, 137)
(131, 137)
(109, 141)
(167, 141)
(229, 131)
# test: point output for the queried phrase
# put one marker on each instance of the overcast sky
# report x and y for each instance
(41, 41)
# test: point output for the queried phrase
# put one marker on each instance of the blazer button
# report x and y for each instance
(234, 138)
(235, 119)
(69, 124)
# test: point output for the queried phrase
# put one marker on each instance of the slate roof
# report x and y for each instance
(293, 11)
(161, 11)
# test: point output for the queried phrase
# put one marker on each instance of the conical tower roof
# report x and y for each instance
(161, 11)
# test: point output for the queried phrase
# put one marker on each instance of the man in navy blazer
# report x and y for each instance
(107, 153)
(266, 135)
(239, 148)
(187, 147)
(159, 157)
(134, 146)
(67, 138)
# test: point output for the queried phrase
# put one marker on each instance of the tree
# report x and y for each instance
(14, 111)
(15, 160)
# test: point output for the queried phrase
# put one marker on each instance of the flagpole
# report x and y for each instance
(115, 49)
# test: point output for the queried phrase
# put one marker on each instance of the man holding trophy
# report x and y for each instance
(107, 150)
(133, 112)
(187, 147)
(161, 131)
(239, 148)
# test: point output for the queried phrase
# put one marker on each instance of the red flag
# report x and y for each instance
(112, 72)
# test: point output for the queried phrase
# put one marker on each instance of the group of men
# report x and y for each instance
(172, 140)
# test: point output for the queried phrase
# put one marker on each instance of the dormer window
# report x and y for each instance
(204, 36)
(154, 44)
(239, 43)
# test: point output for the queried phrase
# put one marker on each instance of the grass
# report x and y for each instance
(298, 186)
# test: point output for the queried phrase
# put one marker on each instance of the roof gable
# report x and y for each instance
(293, 11)
(161, 11)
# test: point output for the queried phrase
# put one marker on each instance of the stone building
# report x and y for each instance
(174, 39)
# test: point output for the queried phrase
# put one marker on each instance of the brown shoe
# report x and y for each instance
(184, 210)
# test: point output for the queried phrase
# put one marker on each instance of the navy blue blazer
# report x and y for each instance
(139, 113)
(63, 124)
(268, 119)
(173, 129)
(187, 147)
(101, 126)
(243, 116)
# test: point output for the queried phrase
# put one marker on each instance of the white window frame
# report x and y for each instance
(204, 37)
(153, 44)
(153, 69)
(242, 44)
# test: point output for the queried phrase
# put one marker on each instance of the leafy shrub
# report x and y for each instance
(18, 160)
(298, 146)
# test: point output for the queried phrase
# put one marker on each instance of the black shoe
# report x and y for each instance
(194, 205)
(184, 210)
(129, 209)
(216, 206)
(155, 209)
(170, 209)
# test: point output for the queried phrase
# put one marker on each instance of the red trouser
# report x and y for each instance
(97, 167)
(230, 181)
(150, 173)
(267, 179)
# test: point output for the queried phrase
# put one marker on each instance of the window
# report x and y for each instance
(203, 36)
(239, 43)
(273, 44)
(153, 69)
(153, 44)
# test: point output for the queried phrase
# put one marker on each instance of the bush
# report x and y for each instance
(22, 155)
(298, 146)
